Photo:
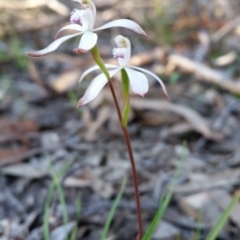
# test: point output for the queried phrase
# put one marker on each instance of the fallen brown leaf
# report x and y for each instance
(8, 127)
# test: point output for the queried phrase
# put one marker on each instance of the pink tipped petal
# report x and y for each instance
(52, 47)
(75, 27)
(95, 68)
(79, 51)
(88, 41)
(126, 23)
(95, 88)
(138, 82)
(156, 77)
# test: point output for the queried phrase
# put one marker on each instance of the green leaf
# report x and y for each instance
(99, 61)
(223, 218)
(125, 83)
(126, 102)
(113, 210)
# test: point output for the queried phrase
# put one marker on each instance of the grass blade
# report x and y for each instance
(62, 172)
(46, 212)
(78, 210)
(61, 197)
(113, 210)
(163, 203)
(198, 232)
(223, 218)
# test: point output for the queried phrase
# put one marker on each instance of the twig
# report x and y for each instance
(204, 72)
(219, 34)
(21, 157)
(204, 46)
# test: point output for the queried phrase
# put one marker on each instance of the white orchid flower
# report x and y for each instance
(83, 22)
(138, 81)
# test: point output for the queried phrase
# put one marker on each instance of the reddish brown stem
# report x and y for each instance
(97, 58)
(131, 157)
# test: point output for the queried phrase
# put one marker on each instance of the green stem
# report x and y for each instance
(99, 61)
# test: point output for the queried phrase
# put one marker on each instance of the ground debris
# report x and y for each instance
(197, 132)
(62, 232)
(201, 205)
(166, 231)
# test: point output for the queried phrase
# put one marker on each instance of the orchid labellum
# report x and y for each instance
(83, 22)
(138, 81)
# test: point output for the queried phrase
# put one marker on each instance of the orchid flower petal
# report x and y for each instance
(138, 82)
(95, 87)
(119, 52)
(87, 42)
(76, 16)
(88, 4)
(70, 27)
(91, 5)
(154, 76)
(95, 68)
(52, 47)
(87, 19)
(94, 12)
(126, 23)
